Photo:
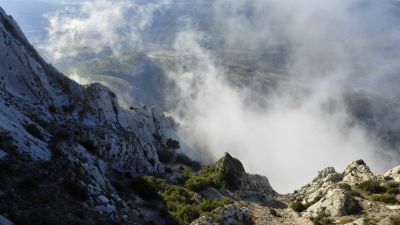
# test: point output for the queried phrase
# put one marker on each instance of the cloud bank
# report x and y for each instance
(92, 27)
(289, 131)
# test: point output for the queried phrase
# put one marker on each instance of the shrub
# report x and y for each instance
(186, 214)
(34, 131)
(28, 185)
(144, 188)
(392, 188)
(207, 177)
(298, 206)
(173, 144)
(385, 198)
(345, 186)
(186, 173)
(185, 160)
(371, 187)
(76, 190)
(360, 162)
(394, 220)
(165, 155)
(274, 212)
(352, 206)
(211, 204)
(88, 145)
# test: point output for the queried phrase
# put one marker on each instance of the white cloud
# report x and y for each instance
(96, 26)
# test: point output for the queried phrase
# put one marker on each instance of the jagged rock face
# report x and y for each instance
(357, 172)
(43, 113)
(332, 204)
(230, 170)
(320, 185)
(256, 184)
(394, 174)
(32, 92)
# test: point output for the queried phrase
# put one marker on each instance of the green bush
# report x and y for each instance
(144, 189)
(371, 187)
(211, 204)
(182, 204)
(298, 206)
(392, 188)
(385, 198)
(186, 173)
(207, 177)
(186, 214)
(360, 162)
(352, 206)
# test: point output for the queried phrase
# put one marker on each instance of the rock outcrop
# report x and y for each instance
(336, 202)
(394, 174)
(357, 172)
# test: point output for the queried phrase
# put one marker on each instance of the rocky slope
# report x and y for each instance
(70, 154)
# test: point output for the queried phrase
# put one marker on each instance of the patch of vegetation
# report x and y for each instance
(385, 198)
(360, 162)
(371, 187)
(185, 160)
(298, 206)
(182, 203)
(394, 220)
(207, 177)
(345, 186)
(88, 145)
(28, 185)
(173, 144)
(6, 142)
(392, 188)
(352, 206)
(211, 204)
(34, 131)
(274, 212)
(146, 190)
(76, 190)
(186, 173)
(165, 155)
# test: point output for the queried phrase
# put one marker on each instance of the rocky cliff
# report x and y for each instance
(70, 154)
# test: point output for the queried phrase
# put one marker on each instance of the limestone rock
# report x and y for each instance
(394, 174)
(335, 203)
(357, 172)
(230, 170)
(360, 221)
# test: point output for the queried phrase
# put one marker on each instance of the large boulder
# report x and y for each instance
(230, 170)
(357, 172)
(335, 203)
(394, 174)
